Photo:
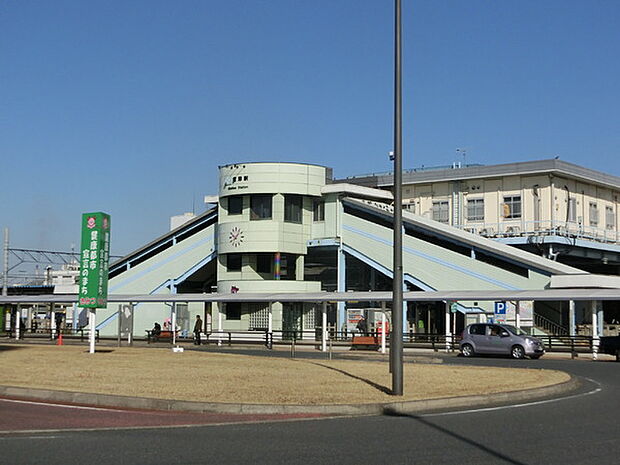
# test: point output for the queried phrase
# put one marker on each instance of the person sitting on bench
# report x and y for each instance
(156, 331)
(362, 327)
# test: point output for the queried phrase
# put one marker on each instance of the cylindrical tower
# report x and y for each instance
(265, 221)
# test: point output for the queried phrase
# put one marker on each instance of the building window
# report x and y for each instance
(593, 214)
(293, 208)
(318, 210)
(512, 207)
(233, 311)
(288, 263)
(260, 207)
(440, 211)
(235, 205)
(264, 262)
(233, 262)
(310, 318)
(475, 209)
(259, 316)
(572, 209)
(610, 218)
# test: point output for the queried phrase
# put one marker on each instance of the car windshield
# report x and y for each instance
(515, 330)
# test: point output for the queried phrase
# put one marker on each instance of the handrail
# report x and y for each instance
(53, 333)
(550, 313)
(434, 341)
(548, 325)
(523, 228)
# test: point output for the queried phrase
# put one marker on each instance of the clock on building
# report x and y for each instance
(235, 237)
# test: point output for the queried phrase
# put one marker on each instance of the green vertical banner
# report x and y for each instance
(94, 260)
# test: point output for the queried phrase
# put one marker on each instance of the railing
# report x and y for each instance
(267, 338)
(78, 333)
(434, 341)
(228, 337)
(550, 326)
(516, 228)
(564, 343)
(552, 343)
(312, 337)
(438, 342)
(301, 337)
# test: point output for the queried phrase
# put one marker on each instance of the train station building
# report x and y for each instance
(290, 228)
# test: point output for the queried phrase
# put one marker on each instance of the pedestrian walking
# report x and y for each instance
(197, 330)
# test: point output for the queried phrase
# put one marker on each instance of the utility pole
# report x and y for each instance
(396, 341)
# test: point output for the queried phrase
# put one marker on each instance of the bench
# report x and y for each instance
(365, 342)
(164, 335)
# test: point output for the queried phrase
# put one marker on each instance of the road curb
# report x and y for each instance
(391, 408)
(481, 401)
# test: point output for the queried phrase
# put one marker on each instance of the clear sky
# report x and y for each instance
(129, 106)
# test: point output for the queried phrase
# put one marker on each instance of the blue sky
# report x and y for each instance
(130, 106)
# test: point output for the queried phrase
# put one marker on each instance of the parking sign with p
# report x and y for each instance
(500, 312)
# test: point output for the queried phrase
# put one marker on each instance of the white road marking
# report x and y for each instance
(27, 437)
(78, 407)
(527, 404)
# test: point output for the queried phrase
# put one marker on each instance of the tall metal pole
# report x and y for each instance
(5, 274)
(396, 341)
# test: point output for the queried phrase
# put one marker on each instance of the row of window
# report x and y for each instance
(261, 207)
(280, 266)
(610, 217)
(511, 209)
(293, 315)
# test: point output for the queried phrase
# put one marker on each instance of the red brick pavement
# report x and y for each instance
(22, 415)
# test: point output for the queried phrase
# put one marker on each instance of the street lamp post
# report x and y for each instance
(396, 341)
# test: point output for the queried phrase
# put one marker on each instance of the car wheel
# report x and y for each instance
(517, 352)
(467, 350)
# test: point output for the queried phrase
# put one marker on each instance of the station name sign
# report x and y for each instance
(94, 260)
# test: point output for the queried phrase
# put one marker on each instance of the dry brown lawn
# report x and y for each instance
(210, 377)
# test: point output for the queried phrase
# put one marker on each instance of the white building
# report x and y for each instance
(549, 207)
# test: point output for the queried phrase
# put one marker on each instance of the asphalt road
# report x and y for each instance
(580, 429)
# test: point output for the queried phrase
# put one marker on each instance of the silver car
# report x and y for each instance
(500, 339)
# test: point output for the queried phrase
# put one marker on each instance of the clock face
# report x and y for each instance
(235, 237)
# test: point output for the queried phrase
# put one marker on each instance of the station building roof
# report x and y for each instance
(458, 172)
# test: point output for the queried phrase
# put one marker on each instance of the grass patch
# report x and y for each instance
(210, 377)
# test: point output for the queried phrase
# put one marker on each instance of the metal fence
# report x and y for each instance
(434, 341)
(45, 333)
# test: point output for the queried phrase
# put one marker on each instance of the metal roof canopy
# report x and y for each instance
(385, 296)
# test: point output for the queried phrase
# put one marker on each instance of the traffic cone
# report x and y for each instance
(59, 341)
